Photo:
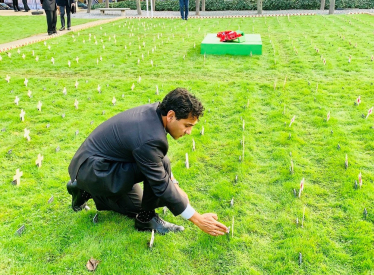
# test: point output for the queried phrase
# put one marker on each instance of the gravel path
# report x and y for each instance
(95, 14)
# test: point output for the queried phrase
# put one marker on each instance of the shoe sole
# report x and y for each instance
(150, 230)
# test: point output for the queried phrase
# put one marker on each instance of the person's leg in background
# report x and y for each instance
(26, 7)
(49, 15)
(181, 6)
(186, 9)
(54, 20)
(62, 17)
(68, 11)
(15, 5)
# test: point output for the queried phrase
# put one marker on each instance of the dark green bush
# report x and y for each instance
(217, 5)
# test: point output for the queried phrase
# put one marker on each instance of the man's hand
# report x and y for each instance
(208, 223)
(182, 192)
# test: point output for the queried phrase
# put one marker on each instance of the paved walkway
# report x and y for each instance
(44, 36)
(133, 13)
(113, 16)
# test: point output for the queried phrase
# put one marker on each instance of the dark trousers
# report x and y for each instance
(115, 186)
(25, 5)
(183, 4)
(15, 5)
(51, 20)
(62, 16)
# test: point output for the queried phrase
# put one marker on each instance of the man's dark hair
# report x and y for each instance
(182, 103)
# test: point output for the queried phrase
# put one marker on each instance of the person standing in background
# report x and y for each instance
(62, 4)
(50, 9)
(26, 7)
(15, 5)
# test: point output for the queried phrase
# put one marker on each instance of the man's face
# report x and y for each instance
(179, 128)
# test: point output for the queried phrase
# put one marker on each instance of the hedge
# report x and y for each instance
(219, 5)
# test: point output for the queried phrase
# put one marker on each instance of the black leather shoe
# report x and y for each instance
(50, 33)
(62, 29)
(158, 224)
(79, 196)
(69, 29)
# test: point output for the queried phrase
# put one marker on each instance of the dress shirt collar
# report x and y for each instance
(160, 117)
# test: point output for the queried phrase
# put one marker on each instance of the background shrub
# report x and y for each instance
(219, 5)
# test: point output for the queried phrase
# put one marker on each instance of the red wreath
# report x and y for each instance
(228, 36)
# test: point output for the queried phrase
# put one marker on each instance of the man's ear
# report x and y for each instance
(170, 115)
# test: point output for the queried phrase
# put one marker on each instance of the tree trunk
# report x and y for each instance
(138, 7)
(107, 3)
(332, 7)
(89, 6)
(197, 7)
(203, 5)
(259, 6)
(323, 3)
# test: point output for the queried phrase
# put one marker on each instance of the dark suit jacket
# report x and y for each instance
(63, 3)
(134, 136)
(48, 5)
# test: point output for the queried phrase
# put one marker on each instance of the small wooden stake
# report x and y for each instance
(39, 106)
(150, 245)
(95, 218)
(38, 161)
(17, 177)
(22, 115)
(51, 199)
(301, 187)
(232, 228)
(20, 230)
(27, 134)
(291, 168)
(346, 161)
(302, 222)
(187, 163)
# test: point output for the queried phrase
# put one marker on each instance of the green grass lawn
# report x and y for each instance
(289, 79)
(18, 27)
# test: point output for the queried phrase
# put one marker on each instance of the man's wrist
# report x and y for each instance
(195, 219)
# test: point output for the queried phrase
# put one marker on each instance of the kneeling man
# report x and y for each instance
(132, 147)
